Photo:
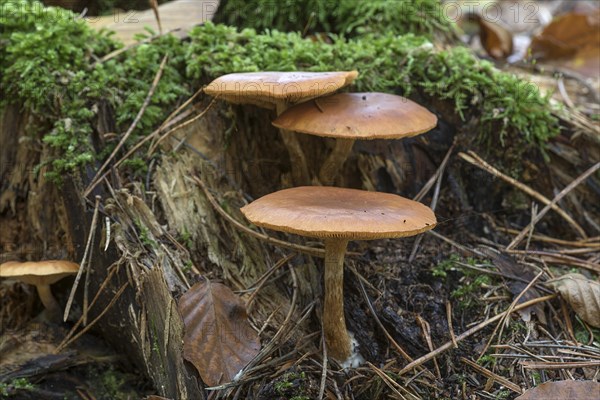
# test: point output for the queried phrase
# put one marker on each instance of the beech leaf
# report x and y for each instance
(563, 390)
(496, 40)
(572, 41)
(218, 340)
(510, 267)
(582, 294)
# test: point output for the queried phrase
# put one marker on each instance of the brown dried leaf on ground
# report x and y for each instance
(218, 339)
(582, 294)
(511, 268)
(571, 41)
(495, 39)
(564, 390)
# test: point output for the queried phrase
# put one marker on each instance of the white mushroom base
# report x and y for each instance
(356, 359)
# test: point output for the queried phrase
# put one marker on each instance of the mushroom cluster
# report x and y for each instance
(336, 215)
(278, 91)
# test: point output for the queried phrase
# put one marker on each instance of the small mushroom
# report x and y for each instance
(41, 274)
(350, 116)
(338, 215)
(279, 90)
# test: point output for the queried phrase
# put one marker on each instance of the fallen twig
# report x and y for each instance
(593, 242)
(448, 345)
(125, 49)
(324, 370)
(87, 328)
(83, 265)
(392, 384)
(165, 125)
(426, 329)
(398, 348)
(439, 174)
(263, 279)
(559, 365)
(166, 122)
(154, 6)
(181, 125)
(507, 314)
(450, 325)
(435, 176)
(486, 372)
(556, 199)
(97, 178)
(80, 321)
(474, 159)
(561, 258)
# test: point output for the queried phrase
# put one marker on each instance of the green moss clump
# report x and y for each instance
(348, 17)
(43, 51)
(506, 104)
(51, 63)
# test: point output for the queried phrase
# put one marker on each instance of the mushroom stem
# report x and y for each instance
(334, 162)
(48, 299)
(297, 159)
(334, 323)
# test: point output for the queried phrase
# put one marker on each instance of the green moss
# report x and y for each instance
(39, 64)
(51, 66)
(506, 104)
(14, 386)
(292, 386)
(469, 288)
(349, 17)
(144, 235)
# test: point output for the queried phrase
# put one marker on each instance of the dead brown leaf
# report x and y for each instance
(572, 40)
(582, 294)
(495, 39)
(507, 265)
(563, 390)
(218, 339)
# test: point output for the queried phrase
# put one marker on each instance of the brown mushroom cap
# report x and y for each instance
(358, 116)
(331, 212)
(40, 272)
(265, 89)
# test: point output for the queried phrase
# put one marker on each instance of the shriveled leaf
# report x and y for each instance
(565, 35)
(495, 39)
(218, 339)
(507, 265)
(563, 390)
(582, 294)
(571, 41)
(586, 61)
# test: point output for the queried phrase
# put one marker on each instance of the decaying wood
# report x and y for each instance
(163, 344)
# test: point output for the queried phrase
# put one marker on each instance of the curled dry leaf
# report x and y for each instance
(510, 267)
(497, 40)
(564, 390)
(582, 294)
(218, 339)
(571, 41)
